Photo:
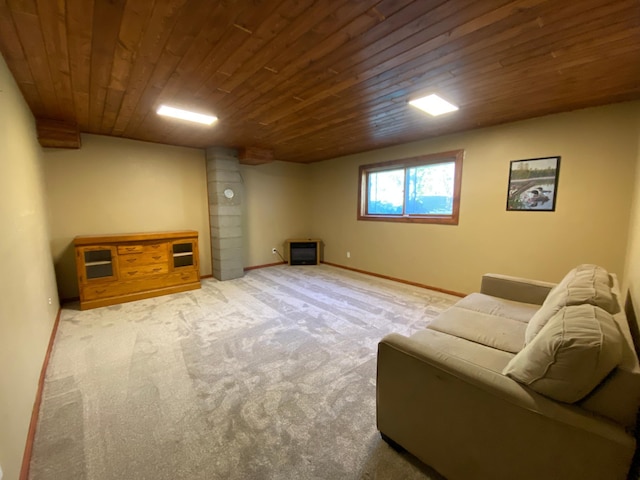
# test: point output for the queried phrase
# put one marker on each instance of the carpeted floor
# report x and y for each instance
(271, 376)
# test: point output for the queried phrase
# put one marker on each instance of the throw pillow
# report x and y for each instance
(586, 283)
(571, 355)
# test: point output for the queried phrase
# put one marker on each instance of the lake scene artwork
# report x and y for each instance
(533, 184)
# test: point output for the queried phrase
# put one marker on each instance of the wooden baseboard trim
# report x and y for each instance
(28, 449)
(246, 269)
(399, 280)
(206, 276)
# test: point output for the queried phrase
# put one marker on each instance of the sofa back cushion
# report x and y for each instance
(585, 284)
(571, 355)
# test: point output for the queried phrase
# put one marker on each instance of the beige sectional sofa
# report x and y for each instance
(524, 380)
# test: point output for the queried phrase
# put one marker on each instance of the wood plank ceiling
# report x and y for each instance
(309, 80)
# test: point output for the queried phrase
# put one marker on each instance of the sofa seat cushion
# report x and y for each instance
(571, 355)
(585, 284)
(499, 307)
(470, 352)
(492, 331)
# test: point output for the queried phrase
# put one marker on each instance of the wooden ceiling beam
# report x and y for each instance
(57, 133)
(254, 155)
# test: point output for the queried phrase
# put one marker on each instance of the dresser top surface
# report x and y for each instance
(133, 237)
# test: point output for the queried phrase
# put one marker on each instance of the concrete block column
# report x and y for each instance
(225, 212)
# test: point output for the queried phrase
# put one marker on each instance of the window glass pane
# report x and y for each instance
(430, 189)
(420, 189)
(386, 192)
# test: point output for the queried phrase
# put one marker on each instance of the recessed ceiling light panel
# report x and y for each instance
(433, 105)
(167, 111)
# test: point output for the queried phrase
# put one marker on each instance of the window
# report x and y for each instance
(423, 189)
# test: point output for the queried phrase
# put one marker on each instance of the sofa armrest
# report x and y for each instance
(467, 421)
(515, 288)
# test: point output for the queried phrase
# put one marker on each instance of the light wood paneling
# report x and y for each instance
(314, 80)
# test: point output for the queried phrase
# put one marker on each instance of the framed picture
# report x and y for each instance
(533, 184)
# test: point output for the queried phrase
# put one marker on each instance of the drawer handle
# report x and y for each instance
(100, 291)
(133, 273)
(131, 260)
(156, 269)
(130, 248)
(157, 257)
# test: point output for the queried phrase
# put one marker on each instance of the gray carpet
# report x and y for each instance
(271, 376)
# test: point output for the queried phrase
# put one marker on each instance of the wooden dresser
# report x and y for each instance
(121, 268)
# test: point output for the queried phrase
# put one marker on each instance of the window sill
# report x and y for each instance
(434, 219)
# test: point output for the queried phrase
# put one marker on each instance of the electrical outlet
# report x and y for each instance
(348, 254)
(273, 250)
(50, 302)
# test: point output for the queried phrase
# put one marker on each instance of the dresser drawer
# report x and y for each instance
(144, 258)
(129, 249)
(142, 248)
(183, 276)
(137, 284)
(143, 270)
(106, 290)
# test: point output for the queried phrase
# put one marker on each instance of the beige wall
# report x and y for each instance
(631, 283)
(277, 203)
(114, 185)
(590, 225)
(27, 280)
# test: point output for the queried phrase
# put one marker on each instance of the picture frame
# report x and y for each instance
(533, 184)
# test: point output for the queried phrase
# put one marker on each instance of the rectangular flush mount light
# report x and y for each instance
(185, 115)
(433, 105)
